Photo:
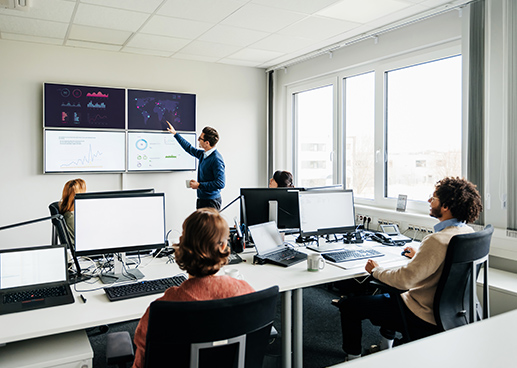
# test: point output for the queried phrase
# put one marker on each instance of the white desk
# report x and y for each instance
(98, 310)
(482, 344)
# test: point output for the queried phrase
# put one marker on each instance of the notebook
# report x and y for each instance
(32, 278)
(271, 248)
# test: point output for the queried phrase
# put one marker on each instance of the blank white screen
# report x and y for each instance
(120, 222)
(326, 210)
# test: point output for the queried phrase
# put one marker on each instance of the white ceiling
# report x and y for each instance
(255, 33)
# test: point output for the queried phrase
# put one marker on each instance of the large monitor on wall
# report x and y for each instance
(119, 223)
(259, 205)
(326, 212)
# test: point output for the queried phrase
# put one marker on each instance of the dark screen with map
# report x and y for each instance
(150, 110)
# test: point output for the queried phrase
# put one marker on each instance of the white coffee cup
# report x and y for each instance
(233, 272)
(187, 183)
(315, 262)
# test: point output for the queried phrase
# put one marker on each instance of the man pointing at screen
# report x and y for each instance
(210, 175)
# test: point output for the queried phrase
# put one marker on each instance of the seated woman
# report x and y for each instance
(202, 251)
(281, 179)
(66, 204)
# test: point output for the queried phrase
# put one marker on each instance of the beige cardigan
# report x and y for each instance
(420, 276)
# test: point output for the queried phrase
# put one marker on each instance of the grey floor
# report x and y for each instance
(321, 333)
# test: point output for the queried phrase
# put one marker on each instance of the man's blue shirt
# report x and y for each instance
(450, 222)
(210, 174)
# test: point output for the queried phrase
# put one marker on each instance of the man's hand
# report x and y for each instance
(194, 184)
(370, 265)
(409, 252)
(171, 129)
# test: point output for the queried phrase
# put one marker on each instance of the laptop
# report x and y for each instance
(393, 232)
(33, 278)
(271, 248)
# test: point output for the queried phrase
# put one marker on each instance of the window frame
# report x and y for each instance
(379, 67)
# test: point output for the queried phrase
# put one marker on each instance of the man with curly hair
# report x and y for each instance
(455, 202)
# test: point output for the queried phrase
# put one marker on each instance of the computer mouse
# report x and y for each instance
(404, 252)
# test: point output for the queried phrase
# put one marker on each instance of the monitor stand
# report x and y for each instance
(120, 272)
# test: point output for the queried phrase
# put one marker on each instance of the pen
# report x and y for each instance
(83, 298)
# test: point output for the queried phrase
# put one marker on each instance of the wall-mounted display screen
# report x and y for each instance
(74, 106)
(159, 151)
(150, 110)
(84, 151)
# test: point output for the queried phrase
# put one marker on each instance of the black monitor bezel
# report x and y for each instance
(248, 201)
(334, 230)
(123, 249)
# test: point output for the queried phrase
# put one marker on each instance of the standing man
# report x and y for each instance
(454, 202)
(210, 175)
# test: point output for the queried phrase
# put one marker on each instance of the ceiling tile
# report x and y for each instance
(35, 39)
(175, 27)
(32, 27)
(232, 35)
(99, 16)
(54, 10)
(161, 43)
(94, 34)
(208, 11)
(281, 43)
(209, 49)
(262, 18)
(316, 28)
(92, 45)
(362, 11)
(302, 6)
(147, 6)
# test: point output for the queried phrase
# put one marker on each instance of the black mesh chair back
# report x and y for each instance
(456, 302)
(232, 332)
(58, 231)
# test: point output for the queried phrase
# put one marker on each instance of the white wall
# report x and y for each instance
(230, 98)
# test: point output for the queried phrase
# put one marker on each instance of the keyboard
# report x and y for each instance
(284, 255)
(351, 255)
(142, 288)
(234, 258)
(24, 296)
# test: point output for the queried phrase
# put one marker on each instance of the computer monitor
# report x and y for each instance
(259, 205)
(119, 223)
(326, 212)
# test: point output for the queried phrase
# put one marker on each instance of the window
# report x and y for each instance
(423, 126)
(359, 104)
(314, 124)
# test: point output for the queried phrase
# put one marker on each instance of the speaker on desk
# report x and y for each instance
(237, 243)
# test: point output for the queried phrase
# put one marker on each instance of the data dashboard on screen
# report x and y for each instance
(84, 151)
(159, 152)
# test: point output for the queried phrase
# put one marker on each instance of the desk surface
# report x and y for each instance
(482, 344)
(98, 310)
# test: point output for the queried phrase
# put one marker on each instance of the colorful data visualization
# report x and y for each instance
(73, 106)
(158, 151)
(150, 110)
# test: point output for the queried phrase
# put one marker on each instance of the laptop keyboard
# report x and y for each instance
(284, 255)
(26, 296)
(351, 255)
(142, 288)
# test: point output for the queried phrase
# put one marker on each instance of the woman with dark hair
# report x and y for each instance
(202, 251)
(66, 204)
(281, 179)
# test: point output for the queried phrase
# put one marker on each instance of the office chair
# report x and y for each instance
(232, 332)
(54, 210)
(455, 303)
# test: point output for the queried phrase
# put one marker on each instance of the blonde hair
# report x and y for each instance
(69, 191)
